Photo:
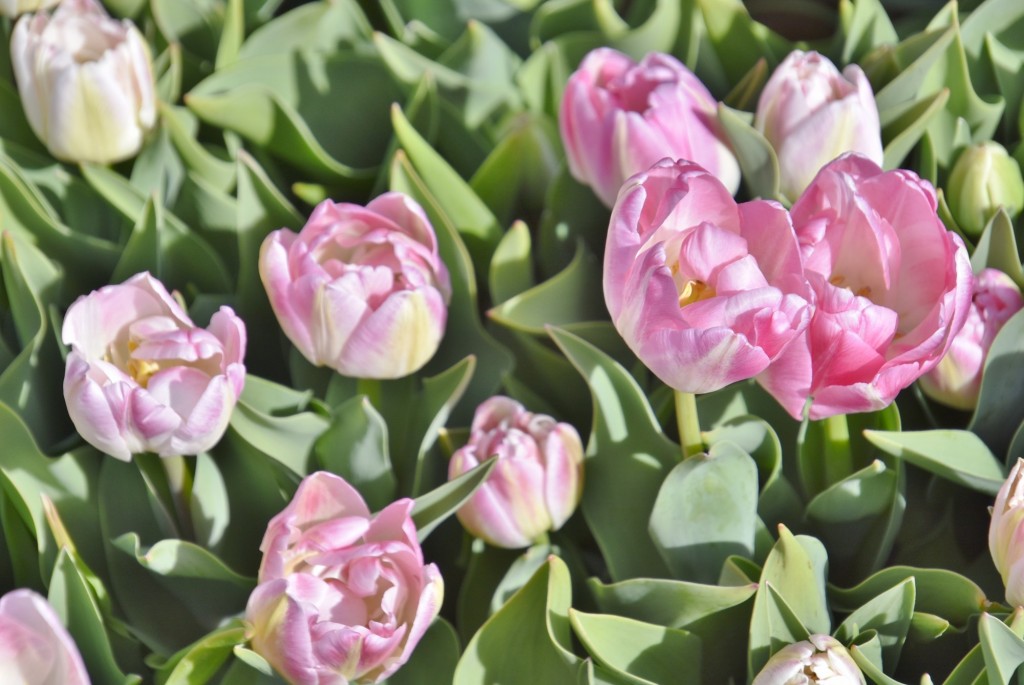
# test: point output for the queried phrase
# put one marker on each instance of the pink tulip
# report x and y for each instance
(618, 117)
(818, 659)
(704, 291)
(956, 380)
(537, 482)
(35, 648)
(360, 289)
(811, 114)
(892, 288)
(1006, 534)
(343, 595)
(141, 377)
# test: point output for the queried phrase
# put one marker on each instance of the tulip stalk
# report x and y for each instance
(688, 424)
(170, 479)
(838, 458)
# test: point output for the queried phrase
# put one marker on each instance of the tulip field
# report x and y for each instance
(511, 342)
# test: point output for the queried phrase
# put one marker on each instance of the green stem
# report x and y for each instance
(179, 482)
(838, 458)
(689, 427)
(371, 388)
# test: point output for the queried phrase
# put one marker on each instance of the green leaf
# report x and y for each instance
(938, 591)
(477, 226)
(999, 412)
(628, 457)
(792, 580)
(566, 298)
(511, 269)
(72, 599)
(200, 661)
(316, 25)
(738, 40)
(465, 333)
(643, 650)
(355, 446)
(181, 559)
(756, 157)
(535, 620)
(865, 655)
(889, 615)
(705, 512)
(959, 456)
(863, 25)
(673, 603)
(1003, 650)
(997, 249)
(435, 506)
(182, 126)
(232, 35)
(903, 132)
(289, 439)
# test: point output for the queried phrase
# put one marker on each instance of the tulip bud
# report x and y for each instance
(811, 114)
(537, 482)
(343, 594)
(819, 659)
(1005, 534)
(141, 377)
(362, 290)
(956, 380)
(618, 117)
(86, 82)
(35, 648)
(12, 8)
(984, 178)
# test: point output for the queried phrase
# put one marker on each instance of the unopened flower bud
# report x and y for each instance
(537, 482)
(984, 178)
(1005, 534)
(819, 659)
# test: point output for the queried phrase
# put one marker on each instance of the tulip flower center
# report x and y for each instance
(839, 281)
(695, 291)
(141, 369)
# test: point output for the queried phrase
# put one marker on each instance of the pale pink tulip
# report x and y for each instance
(956, 380)
(704, 291)
(811, 114)
(343, 594)
(1006, 534)
(818, 659)
(618, 117)
(141, 377)
(892, 289)
(536, 483)
(35, 648)
(86, 82)
(360, 289)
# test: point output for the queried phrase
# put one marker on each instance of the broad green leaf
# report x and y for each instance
(705, 512)
(432, 508)
(475, 223)
(572, 296)
(792, 580)
(959, 456)
(182, 126)
(864, 25)
(316, 25)
(535, 620)
(999, 411)
(756, 157)
(997, 249)
(906, 129)
(465, 333)
(627, 460)
(200, 661)
(355, 447)
(867, 657)
(181, 559)
(653, 653)
(486, 570)
(672, 603)
(737, 39)
(511, 271)
(889, 615)
(938, 591)
(71, 597)
(1002, 649)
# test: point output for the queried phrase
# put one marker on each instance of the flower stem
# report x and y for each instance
(838, 458)
(689, 427)
(179, 482)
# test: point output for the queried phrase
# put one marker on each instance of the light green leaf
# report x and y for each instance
(434, 659)
(647, 652)
(628, 457)
(355, 447)
(889, 615)
(705, 512)
(959, 456)
(756, 157)
(511, 271)
(536, 621)
(432, 508)
(200, 661)
(1002, 649)
(997, 249)
(673, 603)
